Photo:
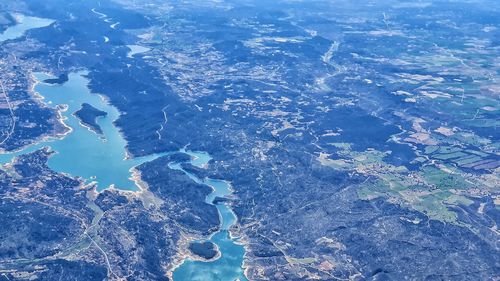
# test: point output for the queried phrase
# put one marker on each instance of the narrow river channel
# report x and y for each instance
(228, 267)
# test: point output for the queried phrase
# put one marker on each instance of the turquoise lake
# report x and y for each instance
(136, 49)
(102, 159)
(23, 24)
(82, 152)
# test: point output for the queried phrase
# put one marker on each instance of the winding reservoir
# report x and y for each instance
(83, 153)
(228, 267)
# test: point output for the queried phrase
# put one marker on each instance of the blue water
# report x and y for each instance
(136, 49)
(23, 23)
(81, 152)
(228, 267)
(103, 160)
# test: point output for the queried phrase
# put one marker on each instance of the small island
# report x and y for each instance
(206, 250)
(88, 117)
(59, 80)
(220, 200)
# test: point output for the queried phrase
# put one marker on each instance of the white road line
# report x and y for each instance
(11, 114)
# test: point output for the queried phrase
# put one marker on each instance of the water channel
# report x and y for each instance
(102, 159)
